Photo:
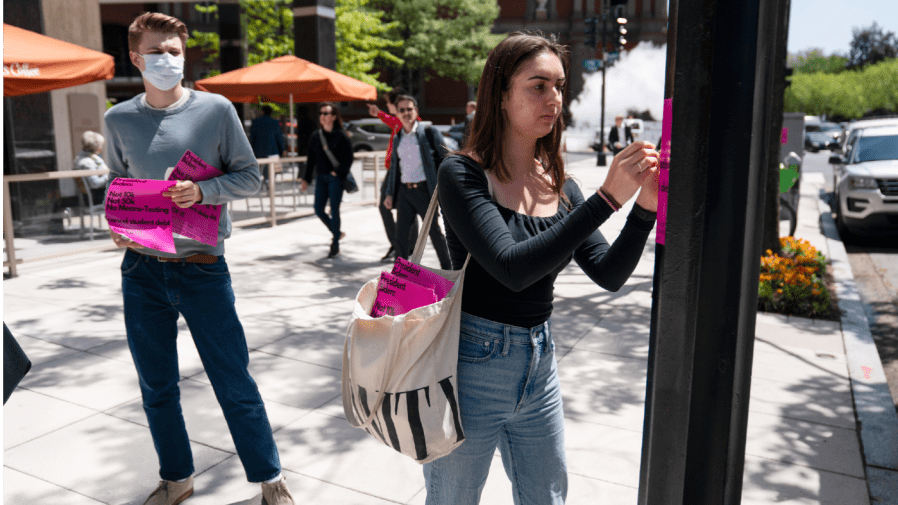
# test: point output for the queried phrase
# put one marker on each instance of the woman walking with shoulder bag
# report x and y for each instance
(330, 158)
(507, 201)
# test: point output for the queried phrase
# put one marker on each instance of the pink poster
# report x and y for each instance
(664, 172)
(199, 222)
(396, 296)
(420, 275)
(136, 209)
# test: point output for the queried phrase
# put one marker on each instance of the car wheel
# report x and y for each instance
(844, 232)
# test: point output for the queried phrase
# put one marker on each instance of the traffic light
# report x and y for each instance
(591, 31)
(622, 32)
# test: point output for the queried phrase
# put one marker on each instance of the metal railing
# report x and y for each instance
(371, 174)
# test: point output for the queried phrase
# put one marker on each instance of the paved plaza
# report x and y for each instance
(74, 432)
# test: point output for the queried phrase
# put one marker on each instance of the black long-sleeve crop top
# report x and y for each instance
(515, 257)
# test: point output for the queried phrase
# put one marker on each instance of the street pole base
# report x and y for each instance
(600, 160)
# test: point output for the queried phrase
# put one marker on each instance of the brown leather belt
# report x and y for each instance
(206, 259)
(414, 185)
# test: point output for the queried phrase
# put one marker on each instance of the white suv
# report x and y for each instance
(866, 181)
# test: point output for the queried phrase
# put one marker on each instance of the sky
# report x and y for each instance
(827, 24)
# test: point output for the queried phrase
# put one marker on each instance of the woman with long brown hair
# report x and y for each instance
(507, 201)
(330, 158)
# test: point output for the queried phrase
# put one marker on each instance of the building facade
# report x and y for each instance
(443, 100)
(42, 131)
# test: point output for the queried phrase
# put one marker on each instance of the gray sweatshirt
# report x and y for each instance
(144, 142)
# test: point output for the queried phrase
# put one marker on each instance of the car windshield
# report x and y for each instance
(880, 148)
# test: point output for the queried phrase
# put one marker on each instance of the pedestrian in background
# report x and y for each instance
(148, 134)
(412, 179)
(330, 158)
(89, 159)
(391, 120)
(508, 202)
(620, 136)
(470, 110)
(267, 138)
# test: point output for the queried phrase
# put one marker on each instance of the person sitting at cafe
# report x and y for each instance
(89, 159)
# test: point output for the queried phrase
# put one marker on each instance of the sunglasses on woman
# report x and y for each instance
(327, 113)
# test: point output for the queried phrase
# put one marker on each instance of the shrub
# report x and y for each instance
(791, 281)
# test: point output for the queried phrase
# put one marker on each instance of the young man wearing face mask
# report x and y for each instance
(147, 135)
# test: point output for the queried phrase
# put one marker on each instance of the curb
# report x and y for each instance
(878, 430)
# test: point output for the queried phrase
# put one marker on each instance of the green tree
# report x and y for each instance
(267, 25)
(813, 60)
(871, 45)
(209, 42)
(849, 94)
(267, 33)
(362, 39)
(452, 38)
(267, 29)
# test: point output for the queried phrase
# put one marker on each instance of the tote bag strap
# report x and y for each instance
(424, 231)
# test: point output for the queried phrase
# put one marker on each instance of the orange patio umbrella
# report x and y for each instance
(287, 79)
(33, 63)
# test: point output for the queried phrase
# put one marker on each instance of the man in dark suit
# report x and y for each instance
(412, 179)
(620, 136)
(266, 137)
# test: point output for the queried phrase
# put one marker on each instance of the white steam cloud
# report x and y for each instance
(635, 82)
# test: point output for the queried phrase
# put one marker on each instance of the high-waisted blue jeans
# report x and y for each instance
(329, 187)
(155, 293)
(509, 396)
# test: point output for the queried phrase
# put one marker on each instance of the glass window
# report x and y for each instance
(877, 148)
(378, 128)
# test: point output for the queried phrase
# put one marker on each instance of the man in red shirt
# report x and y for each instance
(386, 214)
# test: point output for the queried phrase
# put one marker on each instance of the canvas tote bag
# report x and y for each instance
(400, 372)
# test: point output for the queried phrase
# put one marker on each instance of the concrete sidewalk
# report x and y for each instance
(75, 432)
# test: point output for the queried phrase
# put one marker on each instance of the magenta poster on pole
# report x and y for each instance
(136, 209)
(664, 172)
(199, 222)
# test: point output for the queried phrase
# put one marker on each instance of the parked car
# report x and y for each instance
(865, 179)
(856, 126)
(369, 134)
(636, 127)
(819, 136)
(372, 135)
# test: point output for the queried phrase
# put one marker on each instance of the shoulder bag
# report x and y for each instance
(400, 372)
(349, 184)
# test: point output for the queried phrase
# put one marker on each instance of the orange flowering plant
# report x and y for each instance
(792, 281)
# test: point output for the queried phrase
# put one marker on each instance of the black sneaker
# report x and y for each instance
(335, 250)
(390, 256)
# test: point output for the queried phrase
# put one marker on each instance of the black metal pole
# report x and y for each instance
(600, 158)
(701, 370)
(314, 29)
(659, 262)
(231, 56)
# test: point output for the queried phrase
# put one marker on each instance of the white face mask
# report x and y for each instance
(164, 71)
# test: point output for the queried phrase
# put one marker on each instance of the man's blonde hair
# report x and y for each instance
(155, 22)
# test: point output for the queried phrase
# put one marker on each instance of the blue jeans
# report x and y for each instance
(509, 396)
(328, 187)
(155, 293)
